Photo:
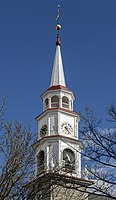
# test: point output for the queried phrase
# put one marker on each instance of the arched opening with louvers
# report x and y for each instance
(55, 102)
(40, 162)
(69, 160)
(65, 102)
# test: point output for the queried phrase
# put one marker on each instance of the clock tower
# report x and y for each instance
(58, 148)
(58, 145)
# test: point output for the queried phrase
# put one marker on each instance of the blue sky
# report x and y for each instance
(27, 48)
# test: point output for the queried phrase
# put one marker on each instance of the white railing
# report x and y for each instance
(54, 104)
(65, 105)
(68, 167)
(46, 106)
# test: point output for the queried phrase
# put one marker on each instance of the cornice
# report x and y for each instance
(63, 110)
(58, 137)
(58, 88)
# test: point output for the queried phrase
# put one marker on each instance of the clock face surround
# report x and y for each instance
(43, 130)
(66, 128)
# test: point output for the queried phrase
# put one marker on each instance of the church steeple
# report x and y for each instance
(58, 72)
(58, 149)
(58, 144)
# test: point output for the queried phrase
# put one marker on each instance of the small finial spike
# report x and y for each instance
(58, 43)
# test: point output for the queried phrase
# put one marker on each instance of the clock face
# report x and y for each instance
(66, 128)
(43, 130)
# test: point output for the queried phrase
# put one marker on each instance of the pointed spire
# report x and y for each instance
(58, 72)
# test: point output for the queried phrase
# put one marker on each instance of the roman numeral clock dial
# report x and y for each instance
(43, 130)
(66, 128)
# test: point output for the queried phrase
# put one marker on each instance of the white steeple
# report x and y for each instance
(58, 73)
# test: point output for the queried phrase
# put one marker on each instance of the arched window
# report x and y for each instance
(40, 161)
(55, 102)
(65, 102)
(69, 160)
(46, 103)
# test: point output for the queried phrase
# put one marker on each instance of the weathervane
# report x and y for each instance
(58, 27)
(58, 16)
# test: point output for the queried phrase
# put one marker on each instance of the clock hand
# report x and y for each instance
(67, 129)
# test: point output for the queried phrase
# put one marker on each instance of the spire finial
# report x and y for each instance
(58, 72)
(58, 27)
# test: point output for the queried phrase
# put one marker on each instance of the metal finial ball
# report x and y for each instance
(58, 27)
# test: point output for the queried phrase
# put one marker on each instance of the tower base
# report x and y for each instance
(52, 186)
